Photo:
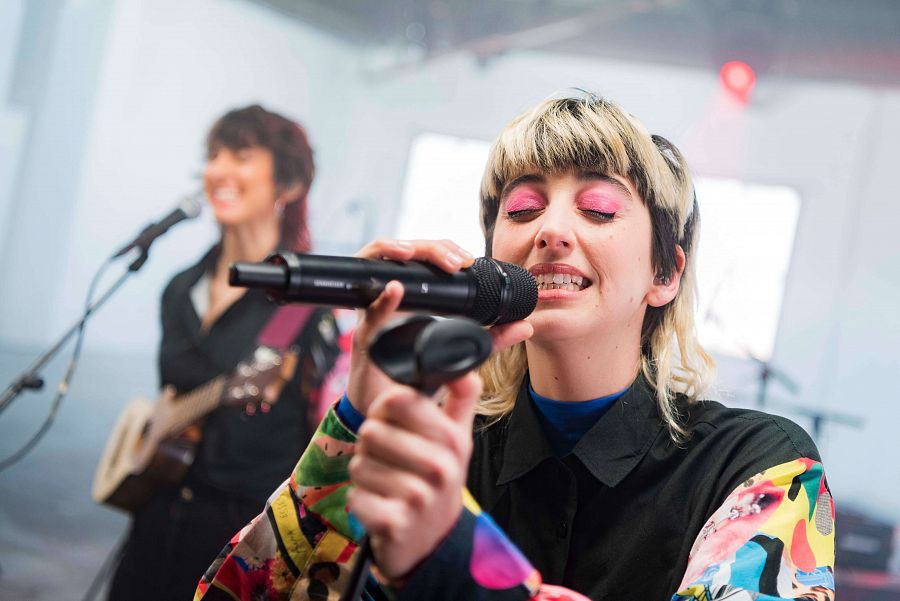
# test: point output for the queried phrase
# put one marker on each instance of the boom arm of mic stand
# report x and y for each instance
(30, 378)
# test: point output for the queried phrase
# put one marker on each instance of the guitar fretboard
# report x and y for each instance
(191, 406)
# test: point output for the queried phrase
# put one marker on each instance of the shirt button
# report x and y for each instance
(186, 494)
(562, 530)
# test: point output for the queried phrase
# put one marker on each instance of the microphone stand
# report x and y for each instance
(30, 378)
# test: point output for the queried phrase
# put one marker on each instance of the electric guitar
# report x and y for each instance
(153, 444)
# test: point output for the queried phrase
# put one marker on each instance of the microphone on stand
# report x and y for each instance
(188, 208)
(490, 291)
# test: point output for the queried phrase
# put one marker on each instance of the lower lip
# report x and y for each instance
(558, 294)
(218, 202)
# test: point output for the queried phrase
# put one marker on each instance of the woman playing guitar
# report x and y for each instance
(258, 171)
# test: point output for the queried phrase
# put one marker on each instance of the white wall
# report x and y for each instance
(12, 122)
(12, 119)
(51, 126)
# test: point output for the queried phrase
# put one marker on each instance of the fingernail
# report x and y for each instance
(466, 253)
(454, 258)
(405, 245)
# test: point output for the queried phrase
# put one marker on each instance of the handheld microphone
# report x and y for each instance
(490, 291)
(188, 208)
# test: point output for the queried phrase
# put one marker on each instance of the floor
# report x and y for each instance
(53, 537)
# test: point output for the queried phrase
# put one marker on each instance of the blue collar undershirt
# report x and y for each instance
(566, 422)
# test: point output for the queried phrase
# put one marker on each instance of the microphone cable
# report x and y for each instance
(63, 387)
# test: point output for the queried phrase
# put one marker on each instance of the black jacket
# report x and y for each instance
(616, 518)
(244, 456)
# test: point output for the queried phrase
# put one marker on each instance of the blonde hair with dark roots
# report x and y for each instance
(589, 133)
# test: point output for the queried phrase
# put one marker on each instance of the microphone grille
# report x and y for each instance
(192, 204)
(506, 292)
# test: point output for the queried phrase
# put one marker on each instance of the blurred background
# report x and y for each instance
(788, 111)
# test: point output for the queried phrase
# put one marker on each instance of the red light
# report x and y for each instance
(738, 78)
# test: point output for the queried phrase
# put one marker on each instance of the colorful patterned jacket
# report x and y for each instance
(741, 511)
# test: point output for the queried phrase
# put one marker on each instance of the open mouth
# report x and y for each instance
(562, 281)
(224, 195)
(552, 276)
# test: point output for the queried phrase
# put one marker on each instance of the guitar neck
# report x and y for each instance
(189, 407)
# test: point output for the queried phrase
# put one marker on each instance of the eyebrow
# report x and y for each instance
(583, 176)
(531, 178)
(596, 176)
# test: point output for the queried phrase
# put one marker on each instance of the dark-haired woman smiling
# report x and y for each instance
(258, 171)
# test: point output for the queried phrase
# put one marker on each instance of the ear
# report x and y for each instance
(663, 290)
(291, 193)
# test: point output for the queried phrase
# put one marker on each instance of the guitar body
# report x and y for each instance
(153, 445)
(136, 462)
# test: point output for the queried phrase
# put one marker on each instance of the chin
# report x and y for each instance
(226, 217)
(553, 326)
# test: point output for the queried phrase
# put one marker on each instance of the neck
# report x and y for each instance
(247, 242)
(570, 371)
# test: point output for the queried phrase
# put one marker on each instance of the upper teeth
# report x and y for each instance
(559, 280)
(226, 194)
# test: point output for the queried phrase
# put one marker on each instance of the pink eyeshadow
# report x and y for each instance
(599, 202)
(520, 201)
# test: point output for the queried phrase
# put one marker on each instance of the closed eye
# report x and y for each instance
(599, 215)
(521, 214)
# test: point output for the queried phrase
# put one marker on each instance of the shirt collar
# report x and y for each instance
(526, 443)
(610, 450)
(183, 303)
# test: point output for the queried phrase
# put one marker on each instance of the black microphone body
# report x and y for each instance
(490, 291)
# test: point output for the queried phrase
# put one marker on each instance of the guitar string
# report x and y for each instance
(196, 405)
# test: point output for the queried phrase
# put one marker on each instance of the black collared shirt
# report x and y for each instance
(617, 517)
(240, 455)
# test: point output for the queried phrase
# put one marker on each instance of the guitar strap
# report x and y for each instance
(280, 333)
(282, 329)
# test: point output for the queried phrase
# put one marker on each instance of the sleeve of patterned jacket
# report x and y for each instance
(772, 539)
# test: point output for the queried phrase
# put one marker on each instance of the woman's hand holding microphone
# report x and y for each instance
(412, 457)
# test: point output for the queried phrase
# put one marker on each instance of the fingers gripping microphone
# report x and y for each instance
(490, 292)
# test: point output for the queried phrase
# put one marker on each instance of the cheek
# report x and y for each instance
(207, 178)
(614, 243)
(261, 188)
(510, 244)
(628, 252)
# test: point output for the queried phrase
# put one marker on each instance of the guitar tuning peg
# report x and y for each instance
(236, 392)
(251, 389)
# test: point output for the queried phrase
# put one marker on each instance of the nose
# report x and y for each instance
(217, 166)
(555, 233)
